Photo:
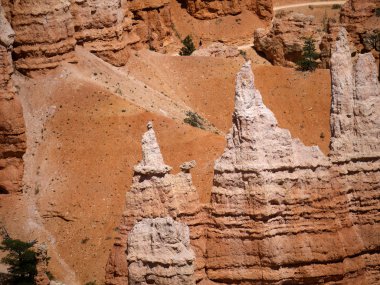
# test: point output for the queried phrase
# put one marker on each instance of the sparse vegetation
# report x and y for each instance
(372, 40)
(21, 259)
(193, 119)
(50, 275)
(377, 12)
(243, 53)
(336, 6)
(85, 240)
(91, 283)
(309, 55)
(188, 47)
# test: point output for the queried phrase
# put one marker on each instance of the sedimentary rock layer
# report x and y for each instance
(163, 195)
(360, 20)
(281, 212)
(100, 27)
(273, 204)
(12, 128)
(285, 213)
(159, 252)
(202, 9)
(355, 148)
(152, 26)
(44, 34)
(283, 42)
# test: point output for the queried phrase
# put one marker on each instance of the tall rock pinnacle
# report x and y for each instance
(255, 141)
(355, 113)
(152, 162)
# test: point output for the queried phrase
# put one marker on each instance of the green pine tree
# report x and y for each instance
(309, 56)
(21, 259)
(188, 47)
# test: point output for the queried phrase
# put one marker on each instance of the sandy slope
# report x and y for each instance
(84, 124)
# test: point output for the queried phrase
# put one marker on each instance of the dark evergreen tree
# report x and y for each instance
(309, 56)
(21, 259)
(188, 47)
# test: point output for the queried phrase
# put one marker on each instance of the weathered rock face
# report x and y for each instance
(282, 43)
(47, 33)
(42, 265)
(44, 34)
(355, 151)
(163, 195)
(159, 253)
(152, 24)
(280, 212)
(12, 128)
(215, 8)
(100, 27)
(356, 93)
(283, 212)
(217, 50)
(359, 18)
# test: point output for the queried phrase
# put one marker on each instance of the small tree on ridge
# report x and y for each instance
(188, 47)
(309, 55)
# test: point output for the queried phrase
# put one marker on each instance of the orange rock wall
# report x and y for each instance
(212, 9)
(47, 32)
(12, 128)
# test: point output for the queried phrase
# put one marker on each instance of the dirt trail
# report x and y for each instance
(322, 3)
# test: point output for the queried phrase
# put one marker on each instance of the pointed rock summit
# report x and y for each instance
(355, 113)
(255, 141)
(152, 162)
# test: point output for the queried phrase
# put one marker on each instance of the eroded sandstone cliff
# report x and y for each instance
(152, 24)
(280, 212)
(159, 253)
(355, 151)
(283, 42)
(12, 128)
(44, 34)
(360, 20)
(48, 32)
(215, 8)
(162, 195)
(100, 27)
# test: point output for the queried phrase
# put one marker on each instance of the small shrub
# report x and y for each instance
(371, 40)
(377, 12)
(243, 53)
(188, 47)
(50, 275)
(336, 6)
(91, 283)
(311, 7)
(193, 119)
(85, 240)
(309, 56)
